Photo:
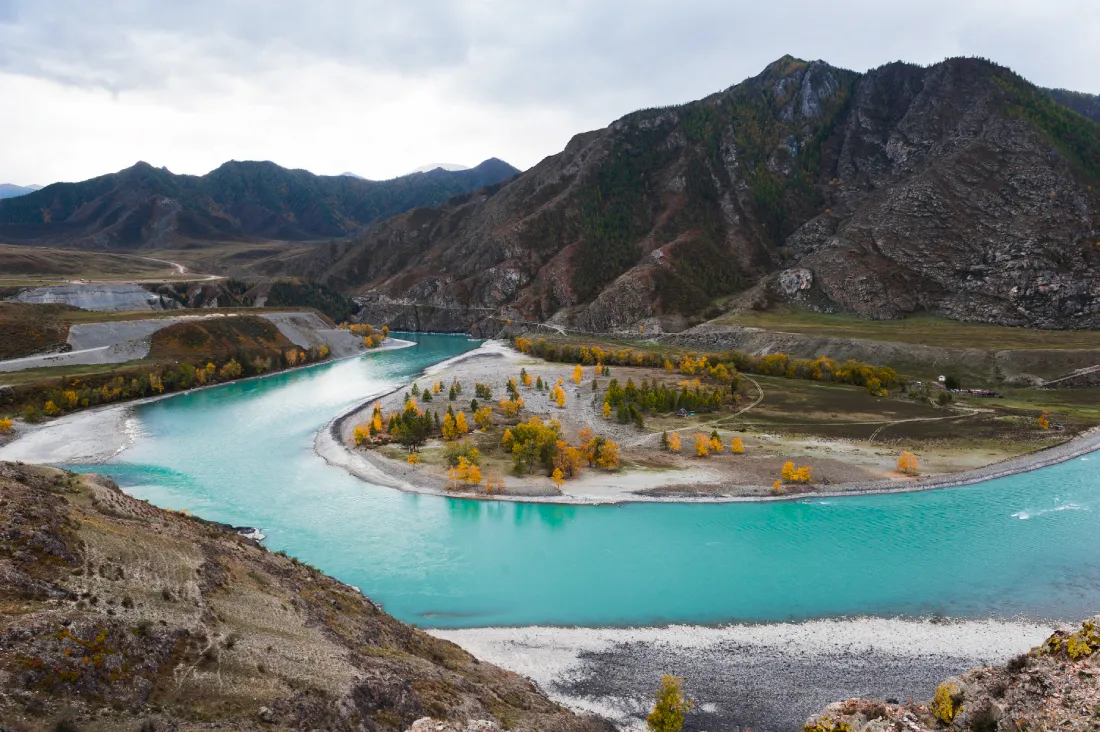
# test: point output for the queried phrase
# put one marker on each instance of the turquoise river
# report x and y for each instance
(1028, 545)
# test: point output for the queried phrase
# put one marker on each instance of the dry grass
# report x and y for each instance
(922, 330)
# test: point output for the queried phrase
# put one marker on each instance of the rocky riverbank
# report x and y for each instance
(1054, 686)
(766, 677)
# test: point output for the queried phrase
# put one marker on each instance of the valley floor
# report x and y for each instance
(843, 433)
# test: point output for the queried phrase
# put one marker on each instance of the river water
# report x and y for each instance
(1028, 545)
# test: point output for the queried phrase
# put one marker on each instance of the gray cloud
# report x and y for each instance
(536, 50)
(478, 73)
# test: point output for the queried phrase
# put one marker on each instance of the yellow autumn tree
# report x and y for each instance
(702, 445)
(606, 410)
(715, 445)
(464, 472)
(414, 458)
(5, 425)
(460, 423)
(376, 422)
(362, 434)
(907, 463)
(51, 409)
(450, 431)
(557, 395)
(1044, 421)
(670, 706)
(608, 458)
(483, 417)
(578, 374)
(557, 477)
(231, 370)
(674, 442)
(737, 446)
(511, 407)
(791, 474)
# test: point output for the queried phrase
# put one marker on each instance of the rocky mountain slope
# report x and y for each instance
(1055, 686)
(147, 207)
(958, 189)
(115, 615)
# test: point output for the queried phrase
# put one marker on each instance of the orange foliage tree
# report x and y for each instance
(907, 463)
(702, 445)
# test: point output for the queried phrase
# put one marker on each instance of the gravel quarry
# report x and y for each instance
(110, 298)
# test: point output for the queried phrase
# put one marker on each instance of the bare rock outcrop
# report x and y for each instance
(1055, 686)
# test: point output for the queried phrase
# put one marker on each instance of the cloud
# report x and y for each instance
(379, 87)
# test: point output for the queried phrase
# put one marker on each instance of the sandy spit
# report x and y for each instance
(638, 486)
(99, 434)
(763, 677)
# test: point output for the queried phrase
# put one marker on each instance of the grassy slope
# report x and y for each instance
(921, 330)
(218, 339)
(38, 266)
(117, 615)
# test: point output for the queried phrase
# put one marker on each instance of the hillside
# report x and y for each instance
(146, 207)
(957, 189)
(118, 615)
(1053, 687)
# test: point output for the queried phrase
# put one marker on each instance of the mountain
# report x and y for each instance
(147, 207)
(1087, 105)
(958, 189)
(9, 190)
(440, 166)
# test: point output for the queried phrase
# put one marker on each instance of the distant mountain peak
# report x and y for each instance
(449, 167)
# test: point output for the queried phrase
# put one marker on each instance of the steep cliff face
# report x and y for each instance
(957, 189)
(116, 615)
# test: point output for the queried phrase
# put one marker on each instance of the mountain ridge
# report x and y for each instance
(11, 190)
(958, 189)
(147, 207)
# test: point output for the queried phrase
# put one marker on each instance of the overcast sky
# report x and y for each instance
(380, 87)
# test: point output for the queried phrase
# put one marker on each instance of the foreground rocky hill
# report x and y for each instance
(145, 207)
(958, 189)
(115, 615)
(1055, 686)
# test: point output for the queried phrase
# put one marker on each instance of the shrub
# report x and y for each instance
(947, 702)
(791, 474)
(456, 450)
